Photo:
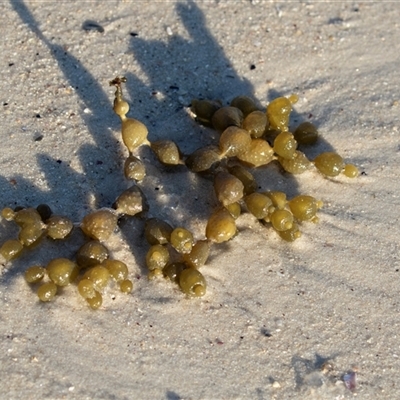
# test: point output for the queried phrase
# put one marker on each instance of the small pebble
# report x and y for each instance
(90, 25)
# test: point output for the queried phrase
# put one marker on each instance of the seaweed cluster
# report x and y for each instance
(249, 137)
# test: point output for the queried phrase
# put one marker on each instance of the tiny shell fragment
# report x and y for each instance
(350, 380)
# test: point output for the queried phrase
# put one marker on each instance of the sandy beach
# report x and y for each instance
(279, 320)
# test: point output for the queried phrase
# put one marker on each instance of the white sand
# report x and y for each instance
(274, 312)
